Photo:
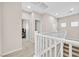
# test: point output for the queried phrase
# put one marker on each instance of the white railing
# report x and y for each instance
(48, 46)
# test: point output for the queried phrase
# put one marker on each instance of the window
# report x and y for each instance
(74, 24)
(63, 24)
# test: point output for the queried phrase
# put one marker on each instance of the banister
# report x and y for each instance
(45, 38)
(62, 39)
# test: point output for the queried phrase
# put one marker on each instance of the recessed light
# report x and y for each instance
(28, 7)
(71, 9)
(56, 14)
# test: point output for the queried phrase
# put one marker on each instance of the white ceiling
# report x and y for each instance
(59, 8)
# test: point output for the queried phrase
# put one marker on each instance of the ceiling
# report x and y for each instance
(57, 9)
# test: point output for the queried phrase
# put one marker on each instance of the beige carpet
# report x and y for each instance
(27, 51)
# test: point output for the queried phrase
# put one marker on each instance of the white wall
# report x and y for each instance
(11, 27)
(0, 26)
(26, 15)
(48, 24)
(72, 32)
(26, 18)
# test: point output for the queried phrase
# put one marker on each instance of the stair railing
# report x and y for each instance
(47, 46)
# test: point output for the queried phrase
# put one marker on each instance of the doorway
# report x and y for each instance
(25, 32)
(25, 29)
(37, 25)
(27, 44)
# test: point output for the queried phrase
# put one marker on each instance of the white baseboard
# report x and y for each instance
(11, 51)
(34, 55)
(0, 55)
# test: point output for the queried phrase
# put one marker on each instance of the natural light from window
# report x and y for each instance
(63, 24)
(74, 24)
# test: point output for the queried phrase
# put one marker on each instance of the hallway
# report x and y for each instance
(46, 25)
(27, 51)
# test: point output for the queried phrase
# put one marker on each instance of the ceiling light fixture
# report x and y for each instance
(29, 7)
(42, 5)
(71, 9)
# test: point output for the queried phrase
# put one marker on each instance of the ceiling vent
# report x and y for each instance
(41, 5)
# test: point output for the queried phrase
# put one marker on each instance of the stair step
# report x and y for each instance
(66, 51)
(75, 54)
(66, 55)
(66, 44)
(75, 47)
(75, 50)
(66, 47)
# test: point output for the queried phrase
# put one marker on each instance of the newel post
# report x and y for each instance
(36, 44)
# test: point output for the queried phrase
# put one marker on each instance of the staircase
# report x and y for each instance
(50, 46)
(75, 51)
(66, 50)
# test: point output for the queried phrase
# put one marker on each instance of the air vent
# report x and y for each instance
(40, 4)
(35, 3)
(43, 5)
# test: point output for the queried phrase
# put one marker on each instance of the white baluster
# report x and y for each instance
(36, 44)
(55, 47)
(46, 45)
(43, 43)
(70, 50)
(51, 48)
(40, 45)
(61, 47)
